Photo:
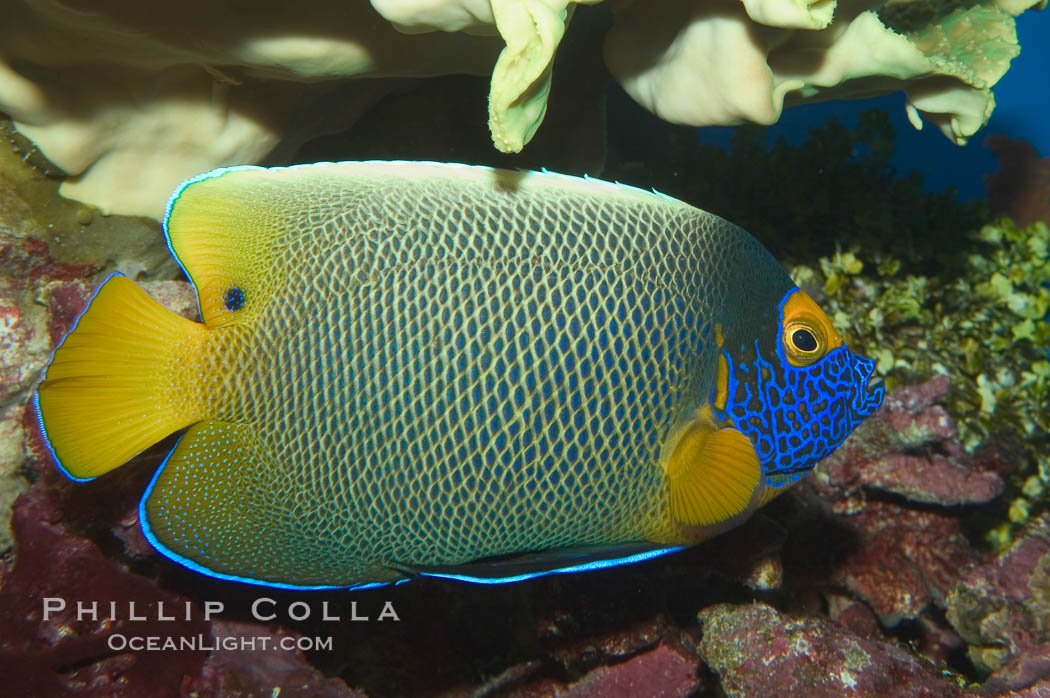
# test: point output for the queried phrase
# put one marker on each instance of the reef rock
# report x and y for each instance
(1002, 610)
(70, 617)
(660, 673)
(758, 651)
(250, 662)
(25, 262)
(904, 560)
(894, 488)
(909, 448)
(46, 650)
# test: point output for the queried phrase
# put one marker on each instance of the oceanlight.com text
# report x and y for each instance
(119, 642)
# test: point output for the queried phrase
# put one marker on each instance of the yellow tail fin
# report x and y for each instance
(119, 381)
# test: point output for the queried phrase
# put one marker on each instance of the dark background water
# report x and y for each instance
(1022, 112)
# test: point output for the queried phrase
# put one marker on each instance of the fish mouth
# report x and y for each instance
(869, 398)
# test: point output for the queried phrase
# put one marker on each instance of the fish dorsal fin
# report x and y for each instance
(225, 229)
(559, 561)
(712, 474)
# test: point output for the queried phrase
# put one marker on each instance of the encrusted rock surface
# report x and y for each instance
(46, 653)
(660, 673)
(758, 651)
(909, 449)
(1002, 609)
(25, 261)
(44, 240)
(903, 559)
(898, 548)
(238, 669)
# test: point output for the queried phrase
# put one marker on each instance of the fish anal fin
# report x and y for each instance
(712, 474)
(220, 505)
(516, 568)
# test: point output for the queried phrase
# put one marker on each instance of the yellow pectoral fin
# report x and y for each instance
(712, 475)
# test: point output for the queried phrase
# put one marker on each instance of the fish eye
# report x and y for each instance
(804, 342)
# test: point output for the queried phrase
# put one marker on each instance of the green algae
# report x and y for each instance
(985, 329)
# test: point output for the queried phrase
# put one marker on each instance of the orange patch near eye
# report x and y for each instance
(801, 313)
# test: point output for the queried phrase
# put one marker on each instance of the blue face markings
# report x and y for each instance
(796, 416)
(233, 299)
(865, 400)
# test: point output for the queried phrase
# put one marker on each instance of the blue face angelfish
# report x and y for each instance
(415, 368)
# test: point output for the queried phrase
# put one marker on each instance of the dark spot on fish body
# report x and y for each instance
(234, 298)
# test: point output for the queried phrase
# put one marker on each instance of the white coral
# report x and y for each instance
(130, 99)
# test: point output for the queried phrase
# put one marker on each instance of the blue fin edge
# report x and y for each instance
(43, 377)
(582, 567)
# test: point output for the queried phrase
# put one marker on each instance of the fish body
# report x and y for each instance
(407, 367)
